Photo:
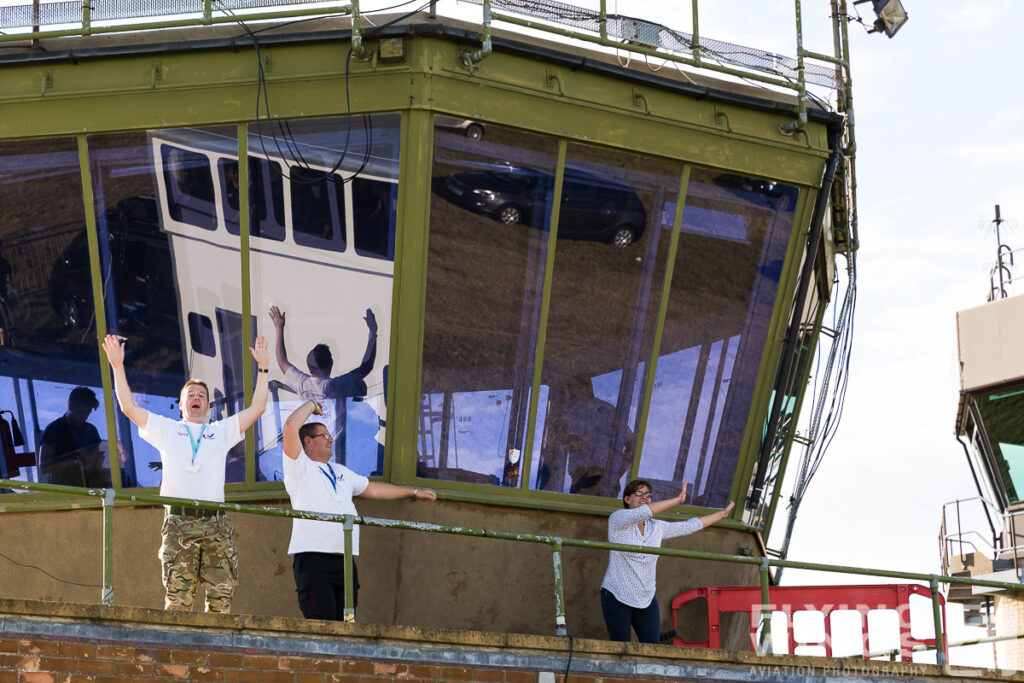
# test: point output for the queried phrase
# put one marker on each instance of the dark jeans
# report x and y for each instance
(619, 618)
(320, 585)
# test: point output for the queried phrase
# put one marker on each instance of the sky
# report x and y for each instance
(938, 131)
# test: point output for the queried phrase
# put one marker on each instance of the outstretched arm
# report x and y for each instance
(248, 417)
(114, 349)
(379, 490)
(282, 354)
(708, 520)
(290, 432)
(659, 506)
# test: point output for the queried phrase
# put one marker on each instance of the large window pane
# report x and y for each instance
(726, 275)
(1000, 413)
(614, 230)
(165, 202)
(489, 216)
(48, 353)
(329, 274)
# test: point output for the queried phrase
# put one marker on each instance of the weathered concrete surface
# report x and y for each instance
(293, 642)
(412, 578)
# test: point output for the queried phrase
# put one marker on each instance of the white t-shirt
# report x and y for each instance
(172, 439)
(321, 487)
(630, 576)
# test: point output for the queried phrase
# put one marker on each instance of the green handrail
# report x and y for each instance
(556, 543)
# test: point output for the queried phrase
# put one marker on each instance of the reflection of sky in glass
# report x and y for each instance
(143, 452)
(1014, 456)
(479, 431)
(702, 221)
(673, 384)
(361, 431)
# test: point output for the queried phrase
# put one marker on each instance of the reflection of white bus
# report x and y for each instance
(322, 250)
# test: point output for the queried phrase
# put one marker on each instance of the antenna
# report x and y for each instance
(1005, 274)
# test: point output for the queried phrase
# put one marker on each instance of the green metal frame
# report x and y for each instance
(308, 79)
(545, 308)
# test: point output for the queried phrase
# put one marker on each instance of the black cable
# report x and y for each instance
(55, 578)
(565, 676)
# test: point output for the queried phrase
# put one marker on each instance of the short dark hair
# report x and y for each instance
(320, 358)
(631, 488)
(309, 430)
(83, 396)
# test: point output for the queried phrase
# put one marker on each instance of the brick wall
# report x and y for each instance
(1009, 618)
(61, 660)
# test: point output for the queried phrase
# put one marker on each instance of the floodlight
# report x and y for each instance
(891, 16)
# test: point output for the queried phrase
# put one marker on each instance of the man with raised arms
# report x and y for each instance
(316, 484)
(198, 545)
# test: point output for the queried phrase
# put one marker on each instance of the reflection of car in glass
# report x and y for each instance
(748, 184)
(593, 207)
(142, 276)
(474, 130)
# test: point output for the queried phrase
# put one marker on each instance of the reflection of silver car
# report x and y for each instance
(474, 130)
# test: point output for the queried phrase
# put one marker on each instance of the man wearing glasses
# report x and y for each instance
(627, 591)
(316, 484)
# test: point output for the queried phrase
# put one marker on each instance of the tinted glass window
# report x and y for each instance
(373, 217)
(609, 269)
(318, 209)
(49, 362)
(266, 197)
(163, 287)
(188, 182)
(489, 216)
(332, 308)
(724, 282)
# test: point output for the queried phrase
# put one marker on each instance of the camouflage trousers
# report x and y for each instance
(198, 550)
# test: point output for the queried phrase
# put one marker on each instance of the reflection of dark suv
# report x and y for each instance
(141, 275)
(593, 207)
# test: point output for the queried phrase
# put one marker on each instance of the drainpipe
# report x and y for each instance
(358, 51)
(485, 48)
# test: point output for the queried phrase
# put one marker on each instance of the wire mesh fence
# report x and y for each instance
(630, 30)
(66, 12)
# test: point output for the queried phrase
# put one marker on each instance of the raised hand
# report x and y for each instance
(277, 317)
(371, 322)
(682, 491)
(114, 348)
(261, 352)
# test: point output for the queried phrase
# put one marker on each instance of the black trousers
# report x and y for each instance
(320, 585)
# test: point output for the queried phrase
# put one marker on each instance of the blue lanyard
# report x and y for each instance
(330, 477)
(195, 442)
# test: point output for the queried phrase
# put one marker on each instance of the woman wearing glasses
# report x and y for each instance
(627, 591)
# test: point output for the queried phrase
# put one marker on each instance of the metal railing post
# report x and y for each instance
(695, 40)
(107, 597)
(350, 610)
(801, 104)
(764, 643)
(556, 560)
(86, 16)
(603, 21)
(940, 635)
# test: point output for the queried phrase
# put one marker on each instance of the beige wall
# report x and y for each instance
(408, 578)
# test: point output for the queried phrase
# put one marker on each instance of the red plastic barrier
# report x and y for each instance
(823, 599)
